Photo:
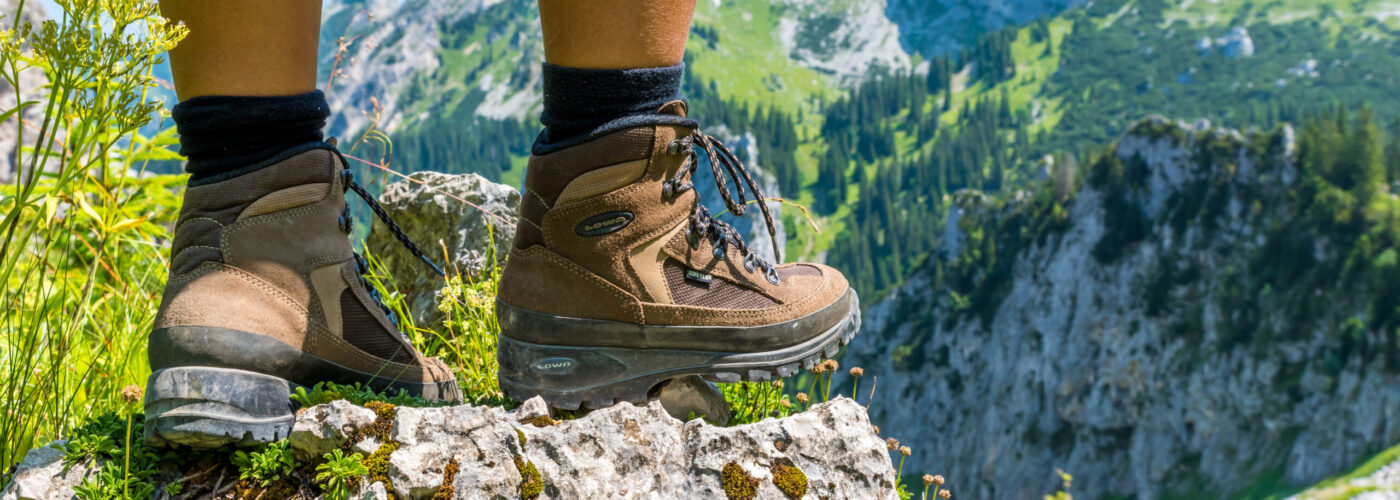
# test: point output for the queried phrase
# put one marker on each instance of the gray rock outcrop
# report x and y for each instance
(620, 452)
(472, 217)
(626, 451)
(1129, 374)
(42, 475)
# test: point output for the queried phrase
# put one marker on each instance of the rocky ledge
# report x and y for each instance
(828, 451)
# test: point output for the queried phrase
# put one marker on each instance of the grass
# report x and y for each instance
(1339, 486)
(81, 252)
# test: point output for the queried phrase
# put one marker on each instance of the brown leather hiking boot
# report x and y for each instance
(264, 295)
(619, 279)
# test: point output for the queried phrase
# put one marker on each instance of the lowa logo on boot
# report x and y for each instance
(602, 224)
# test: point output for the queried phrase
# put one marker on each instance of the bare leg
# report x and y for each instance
(615, 34)
(245, 47)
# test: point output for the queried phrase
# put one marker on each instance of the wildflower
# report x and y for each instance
(819, 368)
(777, 384)
(938, 479)
(904, 450)
(928, 480)
(131, 394)
(944, 494)
(856, 372)
(801, 397)
(785, 404)
(892, 444)
(832, 365)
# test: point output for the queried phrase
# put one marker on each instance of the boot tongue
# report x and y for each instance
(673, 108)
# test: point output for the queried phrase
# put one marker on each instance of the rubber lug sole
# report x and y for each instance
(205, 407)
(573, 377)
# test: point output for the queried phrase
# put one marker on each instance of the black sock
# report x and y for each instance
(227, 136)
(580, 104)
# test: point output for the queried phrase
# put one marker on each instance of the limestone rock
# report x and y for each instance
(320, 429)
(832, 444)
(463, 212)
(620, 452)
(375, 491)
(532, 408)
(41, 476)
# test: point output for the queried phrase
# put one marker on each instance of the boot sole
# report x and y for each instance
(205, 407)
(573, 377)
(198, 397)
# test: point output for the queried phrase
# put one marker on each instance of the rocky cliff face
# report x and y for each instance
(942, 26)
(419, 58)
(845, 39)
(1137, 343)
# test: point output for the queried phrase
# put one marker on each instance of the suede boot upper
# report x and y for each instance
(607, 232)
(266, 253)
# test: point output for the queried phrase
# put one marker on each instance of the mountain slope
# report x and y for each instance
(1210, 310)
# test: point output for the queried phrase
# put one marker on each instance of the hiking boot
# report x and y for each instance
(265, 295)
(619, 280)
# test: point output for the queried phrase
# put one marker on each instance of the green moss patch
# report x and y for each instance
(788, 478)
(383, 420)
(521, 435)
(378, 465)
(738, 485)
(449, 474)
(531, 484)
(541, 421)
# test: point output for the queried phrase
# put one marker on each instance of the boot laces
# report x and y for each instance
(703, 225)
(362, 265)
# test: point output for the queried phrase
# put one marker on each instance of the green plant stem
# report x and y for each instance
(126, 451)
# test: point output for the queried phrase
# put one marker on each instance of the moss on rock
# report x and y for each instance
(383, 420)
(738, 484)
(449, 474)
(541, 421)
(789, 479)
(531, 484)
(378, 465)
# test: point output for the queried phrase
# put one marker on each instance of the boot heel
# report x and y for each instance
(206, 407)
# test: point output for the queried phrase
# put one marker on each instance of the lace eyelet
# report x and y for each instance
(772, 275)
(748, 265)
(679, 147)
(668, 189)
(692, 238)
(346, 222)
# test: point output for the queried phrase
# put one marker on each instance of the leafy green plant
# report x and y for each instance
(122, 471)
(357, 394)
(88, 446)
(269, 464)
(750, 402)
(340, 473)
(466, 337)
